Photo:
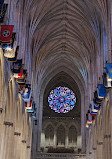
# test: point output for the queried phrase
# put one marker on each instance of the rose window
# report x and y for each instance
(62, 99)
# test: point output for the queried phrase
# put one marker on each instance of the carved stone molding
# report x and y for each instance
(23, 141)
(94, 148)
(8, 123)
(107, 136)
(17, 133)
(99, 143)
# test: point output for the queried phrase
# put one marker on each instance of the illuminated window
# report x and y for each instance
(62, 99)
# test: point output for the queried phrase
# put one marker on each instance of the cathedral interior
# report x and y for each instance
(55, 79)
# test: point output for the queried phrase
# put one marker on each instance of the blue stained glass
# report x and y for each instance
(62, 99)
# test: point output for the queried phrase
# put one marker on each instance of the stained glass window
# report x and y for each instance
(62, 99)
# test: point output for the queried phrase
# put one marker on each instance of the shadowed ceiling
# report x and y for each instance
(65, 33)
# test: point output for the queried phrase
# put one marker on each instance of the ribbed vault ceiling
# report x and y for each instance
(65, 32)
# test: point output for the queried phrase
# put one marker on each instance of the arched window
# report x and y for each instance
(72, 135)
(49, 134)
(61, 135)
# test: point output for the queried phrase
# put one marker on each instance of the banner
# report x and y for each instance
(21, 81)
(107, 83)
(6, 33)
(32, 108)
(17, 66)
(101, 91)
(28, 105)
(94, 108)
(26, 93)
(90, 118)
(9, 52)
(15, 58)
(33, 115)
(109, 71)
(96, 99)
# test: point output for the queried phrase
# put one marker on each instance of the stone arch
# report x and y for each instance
(75, 125)
(49, 134)
(48, 123)
(72, 135)
(60, 135)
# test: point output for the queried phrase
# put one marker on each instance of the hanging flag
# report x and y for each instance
(15, 58)
(94, 108)
(10, 48)
(3, 9)
(10, 52)
(26, 93)
(21, 88)
(6, 33)
(33, 115)
(9, 45)
(90, 118)
(17, 66)
(28, 105)
(96, 99)
(30, 108)
(109, 71)
(21, 76)
(106, 82)
(21, 81)
(101, 91)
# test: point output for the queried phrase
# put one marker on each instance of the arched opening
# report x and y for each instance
(61, 136)
(49, 135)
(72, 136)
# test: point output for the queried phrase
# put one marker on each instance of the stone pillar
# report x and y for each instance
(43, 144)
(55, 138)
(79, 141)
(10, 143)
(66, 138)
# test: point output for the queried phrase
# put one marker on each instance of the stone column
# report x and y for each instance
(55, 138)
(10, 143)
(66, 138)
(43, 144)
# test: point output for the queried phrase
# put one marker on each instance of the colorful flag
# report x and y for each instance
(19, 75)
(3, 9)
(107, 83)
(10, 51)
(17, 66)
(6, 33)
(10, 48)
(109, 71)
(101, 91)
(96, 99)
(94, 108)
(15, 58)
(26, 93)
(90, 118)
(28, 105)
(33, 115)
(21, 81)
(30, 108)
